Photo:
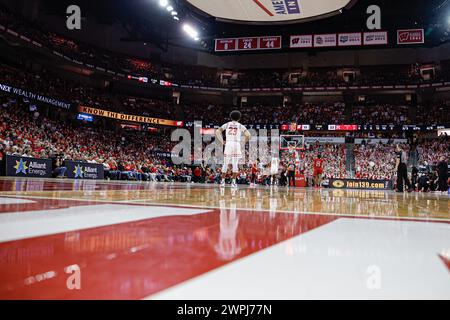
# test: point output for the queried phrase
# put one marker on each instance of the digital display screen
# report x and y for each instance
(85, 117)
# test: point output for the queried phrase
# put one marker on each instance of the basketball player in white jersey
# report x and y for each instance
(233, 138)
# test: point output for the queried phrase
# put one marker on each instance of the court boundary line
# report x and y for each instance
(153, 204)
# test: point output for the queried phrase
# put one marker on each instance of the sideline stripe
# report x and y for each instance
(176, 205)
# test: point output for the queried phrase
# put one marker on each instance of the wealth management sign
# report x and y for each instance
(84, 170)
(17, 166)
(34, 96)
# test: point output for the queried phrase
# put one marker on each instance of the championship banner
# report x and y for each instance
(410, 36)
(28, 167)
(361, 184)
(375, 38)
(84, 170)
(349, 39)
(34, 96)
(325, 40)
(127, 117)
(302, 41)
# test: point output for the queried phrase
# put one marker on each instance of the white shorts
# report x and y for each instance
(232, 155)
(234, 161)
(233, 150)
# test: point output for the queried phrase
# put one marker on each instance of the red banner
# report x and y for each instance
(410, 36)
(249, 43)
(225, 44)
(270, 42)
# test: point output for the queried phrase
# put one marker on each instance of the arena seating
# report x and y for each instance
(132, 153)
(205, 76)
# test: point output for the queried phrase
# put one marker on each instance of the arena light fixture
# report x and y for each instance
(163, 3)
(169, 8)
(191, 31)
(176, 18)
(174, 13)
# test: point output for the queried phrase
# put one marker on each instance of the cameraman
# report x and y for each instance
(58, 168)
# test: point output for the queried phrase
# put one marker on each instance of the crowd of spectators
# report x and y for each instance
(133, 155)
(24, 134)
(377, 161)
(52, 85)
(387, 114)
(205, 76)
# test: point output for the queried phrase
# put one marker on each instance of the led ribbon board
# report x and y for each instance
(268, 10)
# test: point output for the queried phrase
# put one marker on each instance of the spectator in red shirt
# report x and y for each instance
(197, 174)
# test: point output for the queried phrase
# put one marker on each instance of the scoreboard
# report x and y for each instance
(248, 43)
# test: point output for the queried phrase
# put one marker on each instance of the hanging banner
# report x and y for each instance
(410, 36)
(248, 43)
(375, 38)
(127, 117)
(349, 39)
(301, 41)
(325, 40)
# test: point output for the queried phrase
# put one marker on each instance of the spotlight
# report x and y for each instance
(174, 13)
(163, 3)
(169, 8)
(176, 18)
(191, 32)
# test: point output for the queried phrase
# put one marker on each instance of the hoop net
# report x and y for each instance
(292, 142)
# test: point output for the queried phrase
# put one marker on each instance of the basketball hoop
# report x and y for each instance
(292, 142)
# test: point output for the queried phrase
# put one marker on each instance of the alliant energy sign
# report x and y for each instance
(269, 10)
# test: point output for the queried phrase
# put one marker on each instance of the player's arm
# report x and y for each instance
(219, 136)
(247, 136)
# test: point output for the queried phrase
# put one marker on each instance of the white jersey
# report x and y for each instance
(233, 131)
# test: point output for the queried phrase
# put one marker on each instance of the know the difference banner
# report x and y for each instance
(128, 117)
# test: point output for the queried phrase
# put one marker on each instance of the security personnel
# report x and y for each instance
(402, 172)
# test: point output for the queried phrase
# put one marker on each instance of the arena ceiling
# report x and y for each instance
(144, 20)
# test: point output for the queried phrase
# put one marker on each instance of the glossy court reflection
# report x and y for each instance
(136, 240)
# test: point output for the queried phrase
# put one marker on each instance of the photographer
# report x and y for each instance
(423, 183)
(58, 168)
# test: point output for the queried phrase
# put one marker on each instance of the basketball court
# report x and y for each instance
(128, 240)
